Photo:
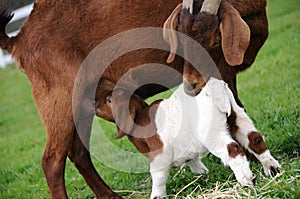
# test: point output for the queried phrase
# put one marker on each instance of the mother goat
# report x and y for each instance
(231, 31)
(53, 43)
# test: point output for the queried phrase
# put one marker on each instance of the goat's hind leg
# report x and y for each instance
(197, 166)
(57, 118)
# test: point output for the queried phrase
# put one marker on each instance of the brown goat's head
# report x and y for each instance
(220, 32)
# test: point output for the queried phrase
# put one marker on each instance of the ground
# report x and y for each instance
(270, 91)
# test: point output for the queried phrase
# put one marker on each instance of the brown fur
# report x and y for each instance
(235, 149)
(140, 127)
(233, 128)
(50, 48)
(235, 35)
(231, 121)
(256, 142)
(201, 28)
(149, 144)
(57, 37)
(230, 46)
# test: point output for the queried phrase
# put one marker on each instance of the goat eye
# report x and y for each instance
(108, 100)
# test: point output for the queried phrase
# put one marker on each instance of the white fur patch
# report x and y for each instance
(191, 126)
(188, 4)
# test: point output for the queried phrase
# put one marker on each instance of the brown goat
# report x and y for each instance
(233, 38)
(50, 48)
(58, 36)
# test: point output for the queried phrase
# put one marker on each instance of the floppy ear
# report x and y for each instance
(235, 34)
(124, 119)
(217, 90)
(169, 33)
(125, 109)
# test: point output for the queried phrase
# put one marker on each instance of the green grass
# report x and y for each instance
(270, 91)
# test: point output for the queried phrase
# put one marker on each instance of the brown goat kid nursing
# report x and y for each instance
(58, 36)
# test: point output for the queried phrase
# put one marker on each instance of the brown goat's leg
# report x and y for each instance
(259, 34)
(54, 160)
(229, 76)
(81, 158)
(54, 167)
(55, 110)
(233, 88)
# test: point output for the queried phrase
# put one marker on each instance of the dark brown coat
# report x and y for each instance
(58, 36)
(232, 38)
(50, 48)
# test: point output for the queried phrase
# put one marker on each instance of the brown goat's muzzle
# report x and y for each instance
(193, 86)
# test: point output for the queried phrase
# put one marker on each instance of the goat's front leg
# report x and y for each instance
(80, 156)
(231, 153)
(252, 140)
(159, 180)
(79, 152)
(159, 169)
(243, 129)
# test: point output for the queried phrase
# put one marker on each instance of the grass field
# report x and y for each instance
(270, 91)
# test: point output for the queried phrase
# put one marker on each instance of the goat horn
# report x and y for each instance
(188, 4)
(211, 6)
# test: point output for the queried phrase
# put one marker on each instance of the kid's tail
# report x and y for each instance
(6, 43)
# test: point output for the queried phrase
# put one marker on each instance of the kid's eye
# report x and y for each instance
(108, 100)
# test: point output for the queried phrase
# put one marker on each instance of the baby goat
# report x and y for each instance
(182, 129)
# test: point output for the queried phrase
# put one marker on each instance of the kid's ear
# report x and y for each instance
(125, 116)
(125, 109)
(216, 90)
(121, 133)
(123, 113)
(235, 35)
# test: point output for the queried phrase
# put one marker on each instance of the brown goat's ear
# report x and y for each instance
(169, 33)
(235, 35)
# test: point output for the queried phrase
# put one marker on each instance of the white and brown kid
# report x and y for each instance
(181, 129)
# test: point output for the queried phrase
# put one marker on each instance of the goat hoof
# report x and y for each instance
(114, 196)
(117, 197)
(246, 180)
(247, 183)
(275, 170)
(272, 167)
(254, 181)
